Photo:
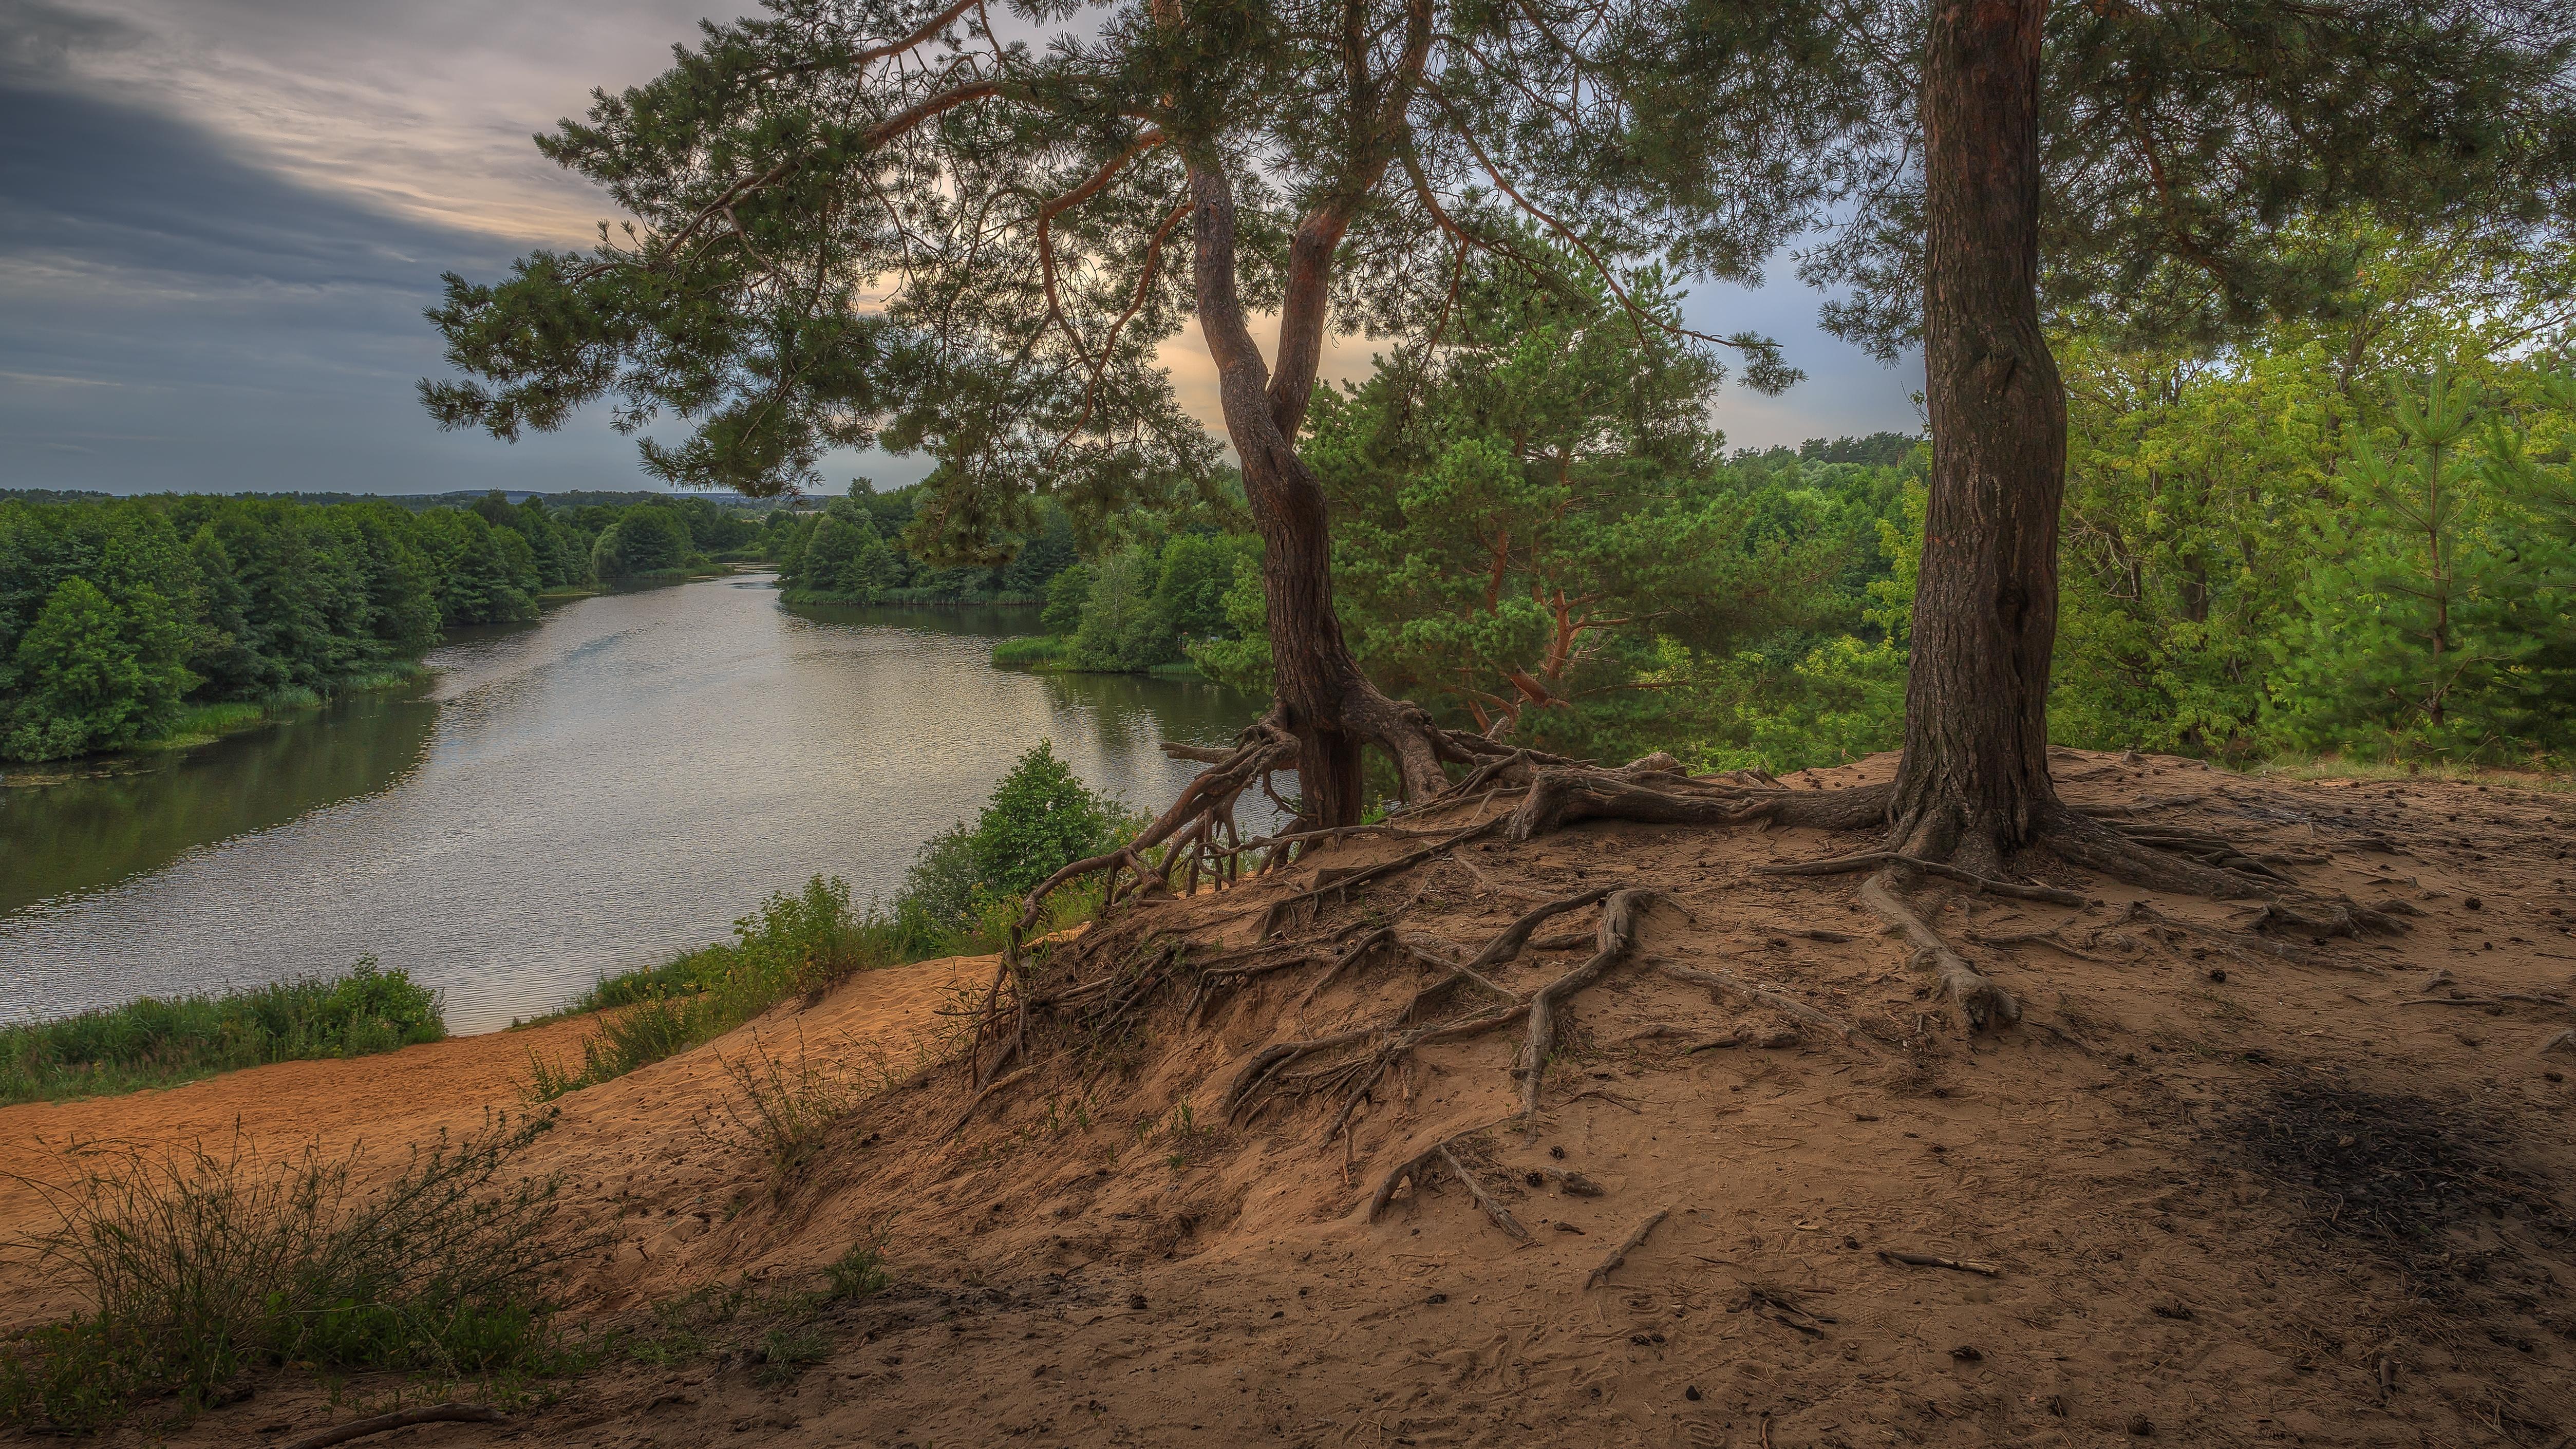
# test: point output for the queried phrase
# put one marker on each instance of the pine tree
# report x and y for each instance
(1042, 216)
(2416, 636)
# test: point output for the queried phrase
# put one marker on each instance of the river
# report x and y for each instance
(613, 783)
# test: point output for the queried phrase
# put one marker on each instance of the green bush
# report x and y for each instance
(158, 1041)
(1041, 818)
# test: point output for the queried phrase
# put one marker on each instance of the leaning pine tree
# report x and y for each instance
(856, 221)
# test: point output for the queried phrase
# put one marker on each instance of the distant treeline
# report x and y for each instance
(125, 621)
(851, 551)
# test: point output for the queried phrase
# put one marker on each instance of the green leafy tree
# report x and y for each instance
(89, 675)
(1022, 208)
(1122, 630)
(1190, 584)
(2189, 489)
(1529, 502)
(488, 574)
(1241, 657)
(646, 539)
(222, 654)
(846, 558)
(1041, 818)
(1067, 594)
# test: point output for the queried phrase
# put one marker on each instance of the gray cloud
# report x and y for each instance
(220, 220)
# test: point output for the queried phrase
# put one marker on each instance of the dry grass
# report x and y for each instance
(202, 1267)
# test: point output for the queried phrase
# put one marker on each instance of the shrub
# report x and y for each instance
(962, 894)
(793, 943)
(1041, 818)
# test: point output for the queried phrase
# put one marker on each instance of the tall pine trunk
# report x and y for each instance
(1318, 683)
(1975, 773)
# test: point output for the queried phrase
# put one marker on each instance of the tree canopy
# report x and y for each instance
(853, 221)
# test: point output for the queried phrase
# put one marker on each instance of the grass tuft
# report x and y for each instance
(1032, 649)
(781, 1112)
(159, 1041)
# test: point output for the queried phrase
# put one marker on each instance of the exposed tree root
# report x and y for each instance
(1784, 1037)
(1979, 1000)
(2236, 942)
(1416, 1169)
(1391, 1041)
(2155, 857)
(1805, 933)
(2049, 938)
(452, 1413)
(1332, 885)
(1618, 1255)
(997, 1085)
(1560, 797)
(1618, 937)
(2493, 999)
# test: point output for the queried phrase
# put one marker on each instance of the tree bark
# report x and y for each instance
(1316, 677)
(1975, 775)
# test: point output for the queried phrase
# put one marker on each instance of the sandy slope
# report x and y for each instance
(2232, 1197)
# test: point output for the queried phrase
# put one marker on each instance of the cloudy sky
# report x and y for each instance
(220, 220)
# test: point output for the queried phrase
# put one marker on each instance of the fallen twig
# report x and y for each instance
(1619, 1254)
(1927, 1260)
(1500, 1216)
(1729, 984)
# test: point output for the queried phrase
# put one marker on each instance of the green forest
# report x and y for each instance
(165, 619)
(853, 550)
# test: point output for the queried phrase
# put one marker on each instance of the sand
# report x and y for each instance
(2211, 1193)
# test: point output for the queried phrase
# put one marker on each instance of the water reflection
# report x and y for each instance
(139, 815)
(616, 782)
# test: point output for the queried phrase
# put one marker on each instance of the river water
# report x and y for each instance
(616, 782)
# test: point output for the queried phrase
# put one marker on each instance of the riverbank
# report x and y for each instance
(564, 801)
(205, 724)
(1053, 654)
(2224, 1181)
